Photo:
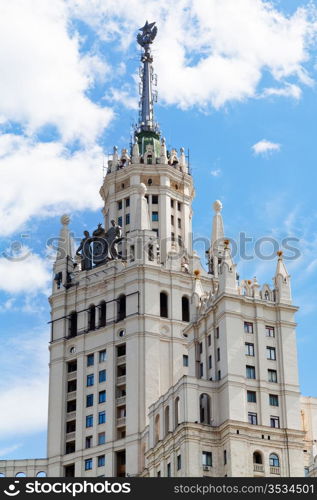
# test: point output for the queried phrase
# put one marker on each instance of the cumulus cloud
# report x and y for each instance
(289, 90)
(30, 274)
(210, 52)
(216, 173)
(264, 146)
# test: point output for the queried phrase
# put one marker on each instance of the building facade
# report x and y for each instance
(159, 367)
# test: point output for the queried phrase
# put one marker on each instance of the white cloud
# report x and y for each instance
(210, 52)
(216, 173)
(124, 97)
(45, 179)
(45, 78)
(9, 449)
(29, 275)
(264, 146)
(289, 90)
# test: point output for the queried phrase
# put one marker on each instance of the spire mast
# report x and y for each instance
(145, 39)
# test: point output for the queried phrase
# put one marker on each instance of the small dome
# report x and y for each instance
(217, 206)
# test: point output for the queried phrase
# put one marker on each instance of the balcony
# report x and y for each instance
(70, 435)
(121, 422)
(275, 470)
(71, 375)
(71, 415)
(258, 468)
(121, 380)
(121, 400)
(121, 360)
(71, 395)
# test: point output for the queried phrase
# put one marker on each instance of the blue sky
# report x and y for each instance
(237, 86)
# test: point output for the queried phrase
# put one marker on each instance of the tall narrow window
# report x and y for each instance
(185, 309)
(121, 307)
(250, 371)
(91, 317)
(252, 418)
(248, 327)
(163, 305)
(102, 313)
(73, 324)
(167, 419)
(176, 411)
(204, 409)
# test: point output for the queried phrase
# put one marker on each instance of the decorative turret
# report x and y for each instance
(227, 271)
(215, 253)
(64, 265)
(282, 281)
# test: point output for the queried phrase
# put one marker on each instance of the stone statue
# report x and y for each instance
(113, 236)
(100, 247)
(84, 251)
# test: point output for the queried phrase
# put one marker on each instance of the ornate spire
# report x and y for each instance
(282, 281)
(217, 240)
(145, 39)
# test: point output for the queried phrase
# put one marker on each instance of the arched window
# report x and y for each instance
(20, 474)
(91, 317)
(163, 305)
(204, 409)
(157, 429)
(121, 307)
(72, 326)
(274, 460)
(185, 309)
(176, 412)
(167, 420)
(41, 474)
(102, 314)
(257, 457)
(266, 295)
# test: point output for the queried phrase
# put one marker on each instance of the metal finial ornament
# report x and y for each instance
(145, 39)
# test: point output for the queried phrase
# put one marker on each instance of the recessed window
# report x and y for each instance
(150, 182)
(218, 354)
(101, 438)
(72, 366)
(185, 309)
(275, 422)
(102, 355)
(185, 360)
(72, 326)
(89, 420)
(72, 350)
(90, 380)
(88, 464)
(248, 327)
(224, 457)
(219, 375)
(179, 205)
(172, 203)
(101, 460)
(273, 399)
(251, 396)
(168, 470)
(179, 462)
(127, 202)
(89, 400)
(272, 376)
(71, 406)
(90, 360)
(121, 333)
(209, 362)
(101, 417)
(70, 447)
(271, 353)
(163, 305)
(72, 386)
(179, 223)
(102, 397)
(270, 331)
(155, 216)
(274, 460)
(250, 372)
(70, 426)
(207, 458)
(249, 349)
(209, 340)
(154, 199)
(102, 376)
(252, 418)
(127, 219)
(120, 221)
(201, 370)
(120, 205)
(172, 220)
(88, 442)
(217, 332)
(200, 347)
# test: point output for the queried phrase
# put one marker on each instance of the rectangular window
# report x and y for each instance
(102, 397)
(200, 347)
(155, 216)
(71, 426)
(219, 375)
(88, 464)
(275, 422)
(71, 406)
(209, 340)
(120, 205)
(168, 470)
(89, 420)
(102, 376)
(272, 376)
(224, 457)
(90, 360)
(154, 199)
(101, 460)
(179, 223)
(207, 458)
(209, 362)
(102, 355)
(173, 236)
(127, 219)
(179, 205)
(72, 366)
(88, 442)
(249, 349)
(250, 371)
(180, 241)
(172, 220)
(218, 354)
(252, 418)
(185, 360)
(101, 438)
(127, 202)
(179, 462)
(251, 396)
(248, 327)
(270, 332)
(217, 332)
(172, 203)
(273, 399)
(201, 369)
(72, 386)
(90, 380)
(271, 353)
(89, 400)
(120, 221)
(101, 417)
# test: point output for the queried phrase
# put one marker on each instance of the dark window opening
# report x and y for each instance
(185, 309)
(102, 314)
(121, 307)
(163, 305)
(72, 324)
